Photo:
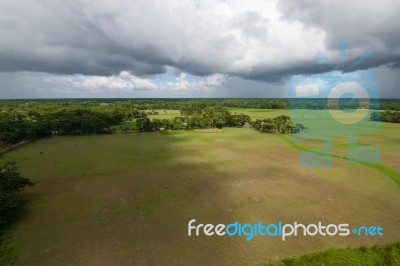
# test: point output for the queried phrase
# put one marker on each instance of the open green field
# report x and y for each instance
(126, 199)
(258, 113)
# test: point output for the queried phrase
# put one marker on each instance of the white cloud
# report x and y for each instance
(204, 84)
(307, 90)
(124, 82)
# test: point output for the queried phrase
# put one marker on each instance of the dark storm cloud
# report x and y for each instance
(373, 25)
(300, 68)
(76, 62)
(201, 38)
(58, 37)
(316, 67)
(104, 38)
(78, 37)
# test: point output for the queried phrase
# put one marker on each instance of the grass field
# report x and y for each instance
(258, 113)
(126, 199)
(166, 114)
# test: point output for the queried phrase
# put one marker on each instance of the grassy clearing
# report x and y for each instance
(113, 199)
(343, 137)
(166, 114)
(394, 175)
(388, 254)
(258, 113)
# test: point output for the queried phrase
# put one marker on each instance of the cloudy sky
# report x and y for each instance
(188, 48)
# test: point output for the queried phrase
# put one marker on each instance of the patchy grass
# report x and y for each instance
(8, 248)
(394, 175)
(388, 254)
(176, 132)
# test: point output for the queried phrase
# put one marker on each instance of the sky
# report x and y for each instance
(189, 48)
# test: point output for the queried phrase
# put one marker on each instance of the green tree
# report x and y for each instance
(144, 124)
(11, 184)
(376, 116)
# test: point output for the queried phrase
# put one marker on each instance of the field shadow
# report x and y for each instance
(139, 191)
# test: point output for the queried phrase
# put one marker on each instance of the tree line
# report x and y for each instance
(281, 124)
(29, 120)
(218, 117)
(386, 116)
(209, 117)
(189, 104)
